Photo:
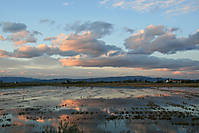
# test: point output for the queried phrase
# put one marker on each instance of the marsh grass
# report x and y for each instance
(64, 127)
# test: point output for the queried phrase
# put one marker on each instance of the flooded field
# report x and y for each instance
(99, 110)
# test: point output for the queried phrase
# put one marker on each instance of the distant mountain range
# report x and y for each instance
(105, 79)
(18, 79)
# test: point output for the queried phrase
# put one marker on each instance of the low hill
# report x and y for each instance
(105, 79)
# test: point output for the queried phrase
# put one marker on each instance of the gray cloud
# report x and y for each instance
(160, 39)
(13, 27)
(99, 28)
(173, 29)
(48, 21)
(43, 67)
(18, 33)
(133, 61)
(85, 39)
(36, 32)
(38, 64)
(30, 52)
(23, 37)
(10, 63)
(129, 30)
(85, 43)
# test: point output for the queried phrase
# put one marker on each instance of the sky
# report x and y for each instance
(99, 38)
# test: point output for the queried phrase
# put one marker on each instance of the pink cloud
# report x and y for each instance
(89, 73)
(3, 54)
(22, 72)
(69, 62)
(1, 37)
(2, 71)
(177, 73)
(85, 43)
(20, 42)
(119, 4)
(22, 37)
(161, 69)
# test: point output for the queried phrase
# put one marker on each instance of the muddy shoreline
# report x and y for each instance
(13, 85)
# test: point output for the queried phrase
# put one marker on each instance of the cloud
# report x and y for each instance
(133, 61)
(49, 38)
(184, 9)
(104, 2)
(129, 30)
(85, 39)
(160, 39)
(118, 4)
(37, 63)
(146, 5)
(47, 21)
(18, 33)
(84, 43)
(49, 67)
(23, 37)
(10, 63)
(161, 69)
(167, 6)
(177, 72)
(42, 67)
(84, 47)
(4, 53)
(66, 4)
(13, 27)
(1, 38)
(98, 28)
(36, 33)
(27, 51)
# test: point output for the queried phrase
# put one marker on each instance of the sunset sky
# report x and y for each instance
(99, 38)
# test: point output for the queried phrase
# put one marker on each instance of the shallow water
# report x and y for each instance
(98, 109)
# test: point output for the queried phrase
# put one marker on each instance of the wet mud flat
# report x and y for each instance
(99, 110)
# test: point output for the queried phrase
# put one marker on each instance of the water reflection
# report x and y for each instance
(141, 111)
(71, 104)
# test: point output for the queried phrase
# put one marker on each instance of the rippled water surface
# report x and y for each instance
(99, 110)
